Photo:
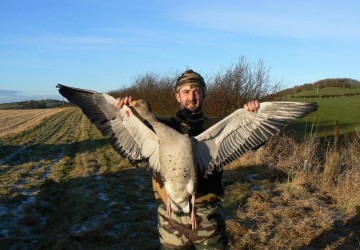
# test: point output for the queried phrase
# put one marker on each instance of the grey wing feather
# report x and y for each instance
(130, 137)
(243, 130)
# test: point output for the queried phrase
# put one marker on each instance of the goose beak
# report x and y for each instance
(133, 103)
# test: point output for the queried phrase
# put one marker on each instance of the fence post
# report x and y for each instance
(336, 135)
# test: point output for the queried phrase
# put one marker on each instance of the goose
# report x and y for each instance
(180, 158)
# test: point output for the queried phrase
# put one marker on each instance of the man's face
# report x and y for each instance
(190, 97)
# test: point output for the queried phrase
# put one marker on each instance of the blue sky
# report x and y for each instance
(104, 45)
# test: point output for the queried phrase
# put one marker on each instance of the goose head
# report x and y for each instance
(143, 108)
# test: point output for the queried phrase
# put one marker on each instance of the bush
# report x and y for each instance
(227, 90)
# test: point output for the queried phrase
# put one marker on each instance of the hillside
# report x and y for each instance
(322, 88)
(35, 104)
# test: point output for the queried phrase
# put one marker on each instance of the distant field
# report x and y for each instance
(345, 110)
(328, 91)
(35, 104)
(16, 121)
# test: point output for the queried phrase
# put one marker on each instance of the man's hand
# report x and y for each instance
(252, 106)
(121, 101)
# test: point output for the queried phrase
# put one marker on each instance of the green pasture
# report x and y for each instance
(328, 91)
(344, 110)
(13, 105)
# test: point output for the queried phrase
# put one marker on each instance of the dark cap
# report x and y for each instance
(190, 78)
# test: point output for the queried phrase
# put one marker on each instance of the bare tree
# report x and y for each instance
(231, 88)
(227, 91)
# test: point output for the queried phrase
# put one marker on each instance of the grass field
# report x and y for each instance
(345, 110)
(328, 91)
(62, 186)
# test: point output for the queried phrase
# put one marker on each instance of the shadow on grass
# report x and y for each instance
(347, 233)
(259, 181)
(240, 183)
(14, 154)
(113, 210)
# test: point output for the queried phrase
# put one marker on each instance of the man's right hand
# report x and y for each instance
(121, 101)
(252, 106)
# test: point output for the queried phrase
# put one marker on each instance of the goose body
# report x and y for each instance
(179, 158)
(179, 171)
(177, 161)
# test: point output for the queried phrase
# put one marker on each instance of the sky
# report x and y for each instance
(104, 45)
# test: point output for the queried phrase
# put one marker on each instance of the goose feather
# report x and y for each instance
(244, 130)
(127, 134)
(211, 150)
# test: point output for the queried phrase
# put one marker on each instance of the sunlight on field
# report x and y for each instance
(62, 186)
(16, 121)
(344, 110)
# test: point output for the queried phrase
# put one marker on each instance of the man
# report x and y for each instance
(175, 230)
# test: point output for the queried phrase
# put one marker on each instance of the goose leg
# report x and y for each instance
(168, 206)
(192, 217)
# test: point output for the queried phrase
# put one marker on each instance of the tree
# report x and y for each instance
(227, 90)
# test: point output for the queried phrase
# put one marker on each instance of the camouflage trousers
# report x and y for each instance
(176, 233)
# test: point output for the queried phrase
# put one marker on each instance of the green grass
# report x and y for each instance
(327, 91)
(25, 104)
(13, 105)
(345, 110)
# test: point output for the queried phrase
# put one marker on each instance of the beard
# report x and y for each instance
(193, 106)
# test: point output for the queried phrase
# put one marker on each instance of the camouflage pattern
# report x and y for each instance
(190, 78)
(176, 233)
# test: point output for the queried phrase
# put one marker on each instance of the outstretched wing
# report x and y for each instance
(128, 135)
(243, 130)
